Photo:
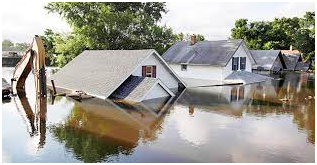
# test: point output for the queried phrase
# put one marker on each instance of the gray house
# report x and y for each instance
(207, 63)
(132, 75)
(268, 60)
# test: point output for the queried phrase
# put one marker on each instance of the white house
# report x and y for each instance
(133, 75)
(206, 63)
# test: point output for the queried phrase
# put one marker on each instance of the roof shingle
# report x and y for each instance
(216, 53)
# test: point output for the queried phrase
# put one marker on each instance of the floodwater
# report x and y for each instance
(264, 122)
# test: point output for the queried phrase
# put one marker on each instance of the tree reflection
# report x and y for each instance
(97, 130)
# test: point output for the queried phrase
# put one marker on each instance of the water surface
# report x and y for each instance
(264, 122)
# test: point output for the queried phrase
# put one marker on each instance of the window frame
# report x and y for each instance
(235, 63)
(243, 65)
(182, 67)
(149, 72)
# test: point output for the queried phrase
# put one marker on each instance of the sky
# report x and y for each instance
(22, 20)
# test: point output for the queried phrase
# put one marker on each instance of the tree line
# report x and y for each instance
(6, 43)
(135, 25)
(279, 34)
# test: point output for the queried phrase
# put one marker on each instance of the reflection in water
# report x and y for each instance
(96, 128)
(264, 122)
(35, 121)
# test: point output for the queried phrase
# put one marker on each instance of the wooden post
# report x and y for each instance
(54, 89)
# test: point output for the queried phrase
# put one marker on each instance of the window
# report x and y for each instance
(234, 94)
(243, 61)
(241, 92)
(184, 67)
(235, 63)
(149, 71)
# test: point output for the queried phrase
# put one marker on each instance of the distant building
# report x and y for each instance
(207, 63)
(294, 60)
(268, 60)
(11, 52)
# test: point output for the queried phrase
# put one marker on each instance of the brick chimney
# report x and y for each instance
(291, 48)
(192, 39)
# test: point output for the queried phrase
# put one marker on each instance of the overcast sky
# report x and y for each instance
(22, 20)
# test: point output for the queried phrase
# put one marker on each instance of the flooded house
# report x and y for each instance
(11, 52)
(294, 60)
(268, 60)
(131, 75)
(207, 63)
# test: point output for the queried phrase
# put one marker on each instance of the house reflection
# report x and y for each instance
(35, 121)
(290, 95)
(97, 128)
(223, 99)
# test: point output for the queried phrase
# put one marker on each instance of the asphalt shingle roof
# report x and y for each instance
(265, 58)
(127, 87)
(291, 61)
(142, 89)
(216, 53)
(99, 72)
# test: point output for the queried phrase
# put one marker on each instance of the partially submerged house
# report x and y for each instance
(291, 58)
(132, 75)
(268, 60)
(207, 63)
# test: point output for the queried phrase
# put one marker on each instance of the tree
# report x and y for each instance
(7, 43)
(22, 46)
(106, 25)
(279, 33)
(49, 40)
(186, 37)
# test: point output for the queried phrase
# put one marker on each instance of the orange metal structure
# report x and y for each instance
(32, 60)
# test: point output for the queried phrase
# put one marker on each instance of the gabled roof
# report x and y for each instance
(135, 88)
(266, 58)
(101, 72)
(291, 61)
(302, 66)
(141, 91)
(216, 53)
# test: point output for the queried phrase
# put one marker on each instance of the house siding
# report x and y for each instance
(207, 72)
(161, 72)
(156, 92)
(198, 72)
(241, 52)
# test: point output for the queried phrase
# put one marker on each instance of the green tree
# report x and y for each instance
(103, 25)
(279, 33)
(7, 43)
(186, 37)
(49, 40)
(22, 46)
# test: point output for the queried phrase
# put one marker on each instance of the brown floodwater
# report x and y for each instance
(265, 122)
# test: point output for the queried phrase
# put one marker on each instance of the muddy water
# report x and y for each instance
(265, 122)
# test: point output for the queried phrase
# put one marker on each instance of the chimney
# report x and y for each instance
(192, 39)
(291, 48)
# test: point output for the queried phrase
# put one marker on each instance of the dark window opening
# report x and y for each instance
(235, 63)
(149, 71)
(241, 92)
(234, 93)
(184, 67)
(243, 61)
